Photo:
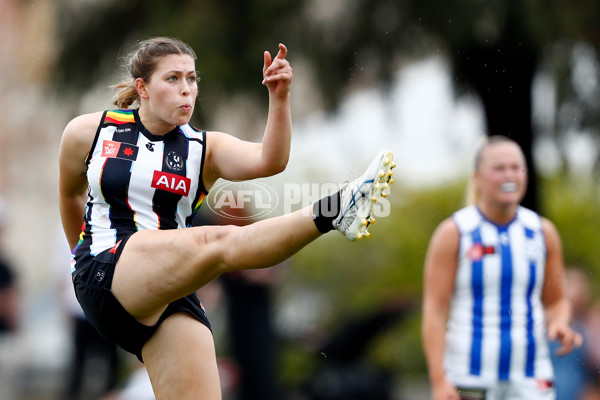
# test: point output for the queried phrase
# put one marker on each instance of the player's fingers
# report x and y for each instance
(278, 77)
(564, 349)
(268, 61)
(278, 70)
(554, 332)
(569, 342)
(572, 340)
(279, 74)
(282, 53)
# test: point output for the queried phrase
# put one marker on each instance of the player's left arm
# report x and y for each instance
(558, 308)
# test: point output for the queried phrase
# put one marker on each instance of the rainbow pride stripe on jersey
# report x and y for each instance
(199, 202)
(119, 117)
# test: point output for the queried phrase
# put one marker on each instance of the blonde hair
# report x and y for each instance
(472, 196)
(141, 63)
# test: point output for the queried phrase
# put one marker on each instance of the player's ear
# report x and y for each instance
(140, 86)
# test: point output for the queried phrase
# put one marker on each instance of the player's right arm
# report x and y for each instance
(441, 263)
(233, 159)
(75, 145)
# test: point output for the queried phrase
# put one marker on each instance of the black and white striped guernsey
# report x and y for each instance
(138, 180)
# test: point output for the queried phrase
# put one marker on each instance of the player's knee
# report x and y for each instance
(225, 233)
(227, 240)
(216, 242)
(213, 235)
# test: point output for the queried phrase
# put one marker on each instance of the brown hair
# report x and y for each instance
(142, 62)
(472, 195)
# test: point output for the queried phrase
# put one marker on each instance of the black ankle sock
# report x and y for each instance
(325, 211)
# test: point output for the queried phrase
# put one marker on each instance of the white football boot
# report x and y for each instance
(360, 196)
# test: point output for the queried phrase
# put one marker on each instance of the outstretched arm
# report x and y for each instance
(234, 159)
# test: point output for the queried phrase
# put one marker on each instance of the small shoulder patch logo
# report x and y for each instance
(126, 151)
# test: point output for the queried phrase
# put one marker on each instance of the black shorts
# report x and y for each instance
(93, 282)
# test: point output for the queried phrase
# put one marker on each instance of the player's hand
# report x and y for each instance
(444, 391)
(568, 338)
(277, 73)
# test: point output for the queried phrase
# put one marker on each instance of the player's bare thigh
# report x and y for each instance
(158, 267)
(181, 360)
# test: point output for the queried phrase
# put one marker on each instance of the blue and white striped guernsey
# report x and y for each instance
(496, 323)
(138, 180)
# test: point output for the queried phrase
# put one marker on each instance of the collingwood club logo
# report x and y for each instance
(174, 161)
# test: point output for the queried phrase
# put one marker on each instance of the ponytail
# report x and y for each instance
(126, 95)
(471, 194)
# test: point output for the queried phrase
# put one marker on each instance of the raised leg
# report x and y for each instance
(158, 267)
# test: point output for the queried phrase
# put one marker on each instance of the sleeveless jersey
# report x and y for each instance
(138, 180)
(496, 326)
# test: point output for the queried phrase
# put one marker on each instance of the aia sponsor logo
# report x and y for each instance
(171, 183)
(126, 151)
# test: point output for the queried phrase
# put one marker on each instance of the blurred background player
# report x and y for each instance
(488, 269)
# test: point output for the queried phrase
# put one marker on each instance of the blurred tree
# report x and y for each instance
(495, 47)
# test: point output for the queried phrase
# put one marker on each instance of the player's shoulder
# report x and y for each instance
(85, 122)
(467, 218)
(530, 218)
(447, 229)
(549, 228)
(445, 238)
(81, 130)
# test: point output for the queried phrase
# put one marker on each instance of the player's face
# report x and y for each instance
(502, 174)
(172, 89)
